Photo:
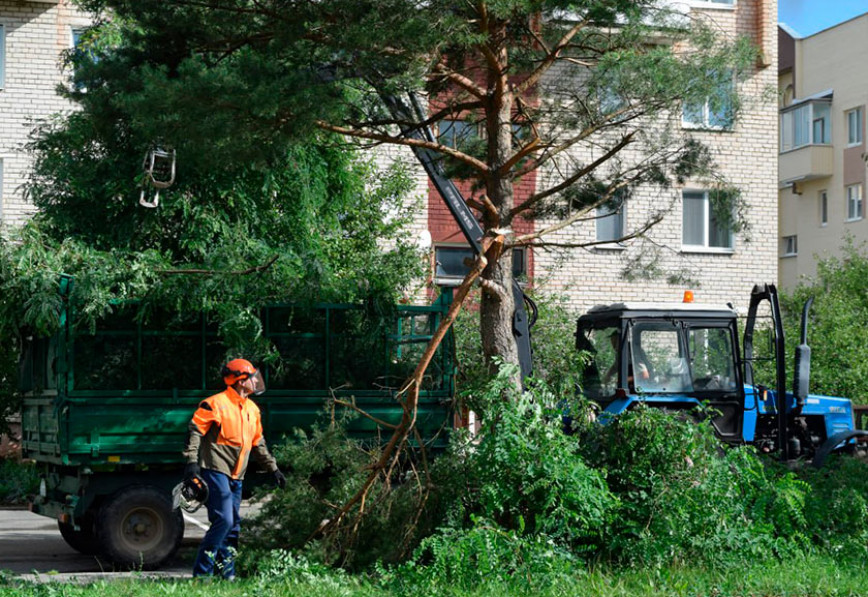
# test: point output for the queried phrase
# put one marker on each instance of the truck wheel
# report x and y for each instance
(137, 528)
(84, 540)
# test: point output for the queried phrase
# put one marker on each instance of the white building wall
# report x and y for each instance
(36, 35)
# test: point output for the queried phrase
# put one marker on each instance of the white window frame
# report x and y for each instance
(855, 202)
(823, 201)
(455, 279)
(603, 211)
(705, 123)
(2, 56)
(807, 114)
(790, 246)
(704, 248)
(854, 139)
(707, 4)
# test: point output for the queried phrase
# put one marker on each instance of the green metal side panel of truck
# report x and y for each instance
(123, 396)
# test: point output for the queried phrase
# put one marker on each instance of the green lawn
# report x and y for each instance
(812, 577)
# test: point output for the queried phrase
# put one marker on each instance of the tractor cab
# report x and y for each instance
(678, 356)
(669, 355)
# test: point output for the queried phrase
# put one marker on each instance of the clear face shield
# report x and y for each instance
(254, 385)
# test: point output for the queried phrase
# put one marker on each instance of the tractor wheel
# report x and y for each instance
(138, 529)
(83, 540)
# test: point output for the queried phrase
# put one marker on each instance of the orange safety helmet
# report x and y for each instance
(236, 370)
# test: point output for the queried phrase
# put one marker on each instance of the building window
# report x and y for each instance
(455, 133)
(702, 228)
(611, 220)
(716, 111)
(450, 267)
(806, 124)
(854, 202)
(790, 246)
(824, 208)
(854, 127)
(2, 57)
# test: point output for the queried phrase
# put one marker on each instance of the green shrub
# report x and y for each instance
(324, 470)
(527, 475)
(836, 509)
(685, 498)
(839, 354)
(18, 479)
(464, 559)
(555, 358)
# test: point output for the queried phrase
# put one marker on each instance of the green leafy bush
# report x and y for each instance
(483, 554)
(324, 470)
(18, 479)
(836, 509)
(527, 475)
(839, 354)
(555, 358)
(685, 498)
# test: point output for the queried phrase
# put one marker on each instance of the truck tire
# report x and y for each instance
(138, 529)
(84, 540)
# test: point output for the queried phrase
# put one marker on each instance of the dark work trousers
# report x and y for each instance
(217, 551)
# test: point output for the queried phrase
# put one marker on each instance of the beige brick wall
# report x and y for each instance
(36, 34)
(747, 157)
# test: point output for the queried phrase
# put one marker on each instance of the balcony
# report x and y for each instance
(805, 163)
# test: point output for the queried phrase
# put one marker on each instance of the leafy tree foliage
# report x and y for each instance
(588, 93)
(839, 356)
(310, 222)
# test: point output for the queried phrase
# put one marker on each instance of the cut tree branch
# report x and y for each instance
(410, 396)
(214, 272)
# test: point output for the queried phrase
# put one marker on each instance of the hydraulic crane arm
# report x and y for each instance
(411, 112)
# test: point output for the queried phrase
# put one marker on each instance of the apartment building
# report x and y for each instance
(821, 173)
(33, 37)
(691, 250)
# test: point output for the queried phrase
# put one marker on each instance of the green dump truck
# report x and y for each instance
(106, 409)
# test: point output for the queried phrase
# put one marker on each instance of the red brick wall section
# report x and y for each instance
(444, 229)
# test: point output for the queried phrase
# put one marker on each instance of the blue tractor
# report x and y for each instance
(678, 356)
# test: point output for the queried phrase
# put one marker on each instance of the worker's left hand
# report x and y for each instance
(279, 479)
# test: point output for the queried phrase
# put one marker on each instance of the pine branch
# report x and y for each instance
(460, 156)
(215, 272)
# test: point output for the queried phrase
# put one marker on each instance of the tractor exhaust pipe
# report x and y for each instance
(802, 369)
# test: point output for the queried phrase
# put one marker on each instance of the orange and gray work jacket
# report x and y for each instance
(224, 431)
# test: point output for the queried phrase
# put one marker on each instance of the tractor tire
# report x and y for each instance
(84, 540)
(138, 529)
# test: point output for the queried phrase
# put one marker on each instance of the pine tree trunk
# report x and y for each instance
(498, 305)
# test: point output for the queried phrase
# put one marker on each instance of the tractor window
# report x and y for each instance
(600, 377)
(657, 360)
(712, 359)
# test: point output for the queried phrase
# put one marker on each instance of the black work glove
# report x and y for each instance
(191, 470)
(279, 479)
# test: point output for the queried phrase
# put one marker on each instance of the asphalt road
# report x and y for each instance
(31, 548)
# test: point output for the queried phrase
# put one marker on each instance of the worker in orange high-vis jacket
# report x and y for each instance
(225, 431)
